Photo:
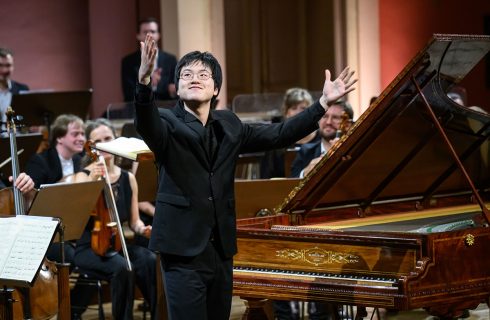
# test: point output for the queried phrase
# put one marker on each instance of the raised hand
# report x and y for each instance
(156, 76)
(334, 90)
(148, 59)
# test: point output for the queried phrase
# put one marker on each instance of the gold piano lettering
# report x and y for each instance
(317, 256)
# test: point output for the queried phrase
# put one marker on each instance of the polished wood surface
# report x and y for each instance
(387, 218)
(260, 197)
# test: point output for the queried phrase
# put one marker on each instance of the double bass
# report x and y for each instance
(41, 301)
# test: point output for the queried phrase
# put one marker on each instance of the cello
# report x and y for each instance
(39, 302)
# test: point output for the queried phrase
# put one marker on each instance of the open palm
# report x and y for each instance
(336, 89)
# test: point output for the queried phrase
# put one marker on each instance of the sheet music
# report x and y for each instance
(24, 244)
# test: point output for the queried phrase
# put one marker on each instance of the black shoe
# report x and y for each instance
(466, 314)
(76, 316)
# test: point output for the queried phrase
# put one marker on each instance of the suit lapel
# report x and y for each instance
(225, 142)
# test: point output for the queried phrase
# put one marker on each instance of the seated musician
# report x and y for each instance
(295, 101)
(311, 153)
(308, 156)
(113, 265)
(60, 160)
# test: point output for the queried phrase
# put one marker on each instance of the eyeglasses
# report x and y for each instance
(332, 117)
(202, 75)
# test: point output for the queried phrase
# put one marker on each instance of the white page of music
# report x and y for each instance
(26, 240)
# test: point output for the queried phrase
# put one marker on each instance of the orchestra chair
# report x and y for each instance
(82, 277)
(101, 282)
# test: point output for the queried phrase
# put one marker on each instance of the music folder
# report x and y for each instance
(72, 203)
(23, 247)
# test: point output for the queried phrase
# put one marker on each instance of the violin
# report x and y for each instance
(107, 237)
(41, 301)
(344, 126)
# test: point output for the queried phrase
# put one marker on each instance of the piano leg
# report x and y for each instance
(453, 311)
(258, 309)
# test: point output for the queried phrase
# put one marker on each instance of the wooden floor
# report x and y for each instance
(238, 308)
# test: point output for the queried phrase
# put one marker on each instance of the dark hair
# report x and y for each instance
(59, 128)
(206, 59)
(146, 20)
(91, 126)
(4, 52)
(94, 124)
(346, 106)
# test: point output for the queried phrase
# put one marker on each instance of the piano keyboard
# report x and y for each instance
(317, 276)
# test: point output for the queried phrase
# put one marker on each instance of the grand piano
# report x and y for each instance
(396, 214)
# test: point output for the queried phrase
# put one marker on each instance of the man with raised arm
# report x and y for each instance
(196, 150)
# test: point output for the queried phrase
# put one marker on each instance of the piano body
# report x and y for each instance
(396, 215)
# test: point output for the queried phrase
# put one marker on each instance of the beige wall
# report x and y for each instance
(205, 33)
(362, 50)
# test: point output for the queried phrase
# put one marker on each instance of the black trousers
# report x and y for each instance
(122, 281)
(200, 287)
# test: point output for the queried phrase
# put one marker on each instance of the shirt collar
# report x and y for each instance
(196, 118)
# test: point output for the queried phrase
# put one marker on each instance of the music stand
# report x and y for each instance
(56, 200)
(120, 110)
(39, 108)
(125, 110)
(147, 178)
(29, 143)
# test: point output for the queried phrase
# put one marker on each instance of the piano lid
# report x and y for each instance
(394, 151)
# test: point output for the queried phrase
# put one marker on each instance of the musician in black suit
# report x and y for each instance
(196, 149)
(163, 74)
(8, 87)
(310, 154)
(63, 156)
(60, 160)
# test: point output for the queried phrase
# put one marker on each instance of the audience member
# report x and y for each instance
(113, 265)
(162, 77)
(273, 162)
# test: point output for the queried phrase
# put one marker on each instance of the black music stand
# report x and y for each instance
(120, 110)
(29, 143)
(40, 108)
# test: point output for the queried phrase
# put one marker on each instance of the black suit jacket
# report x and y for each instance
(129, 74)
(306, 153)
(16, 87)
(45, 167)
(195, 196)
